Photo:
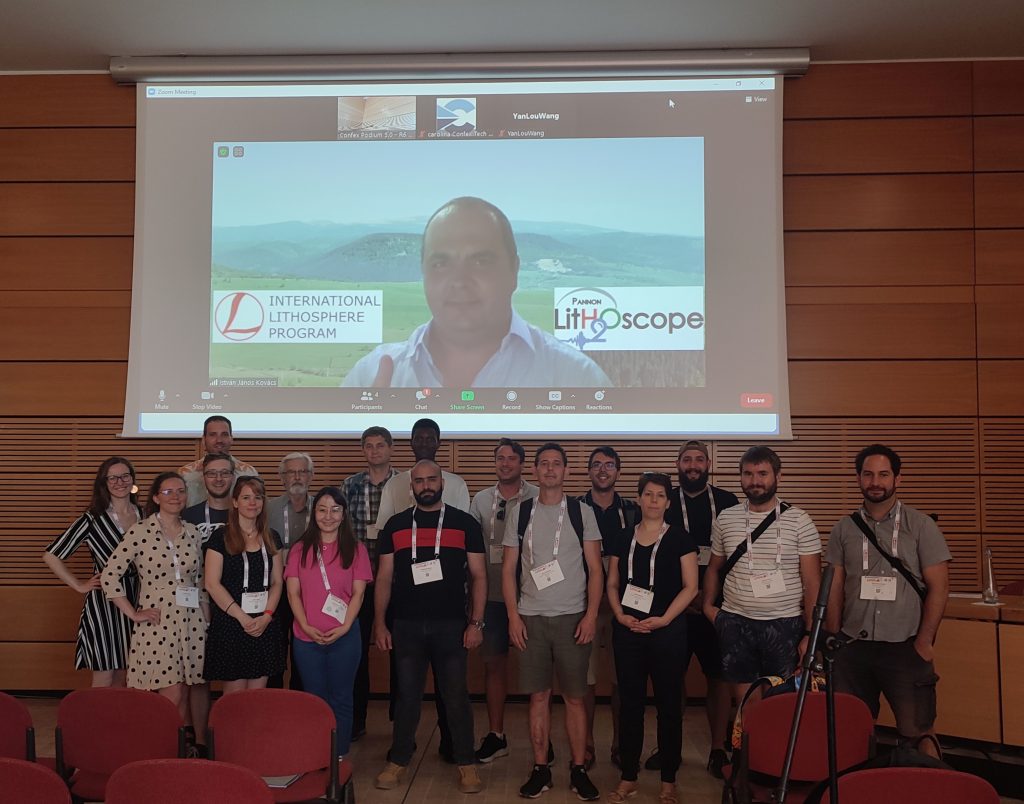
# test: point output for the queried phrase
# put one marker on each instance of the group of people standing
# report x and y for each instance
(408, 562)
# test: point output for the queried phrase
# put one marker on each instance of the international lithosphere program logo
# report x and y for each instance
(456, 115)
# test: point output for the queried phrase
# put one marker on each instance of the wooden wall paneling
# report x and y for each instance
(900, 145)
(999, 388)
(910, 201)
(63, 101)
(873, 259)
(60, 208)
(1001, 321)
(884, 388)
(1007, 556)
(999, 200)
(65, 326)
(904, 89)
(1001, 444)
(967, 658)
(997, 143)
(69, 154)
(62, 389)
(70, 263)
(999, 256)
(900, 329)
(51, 614)
(1011, 659)
(1002, 505)
(41, 666)
(998, 87)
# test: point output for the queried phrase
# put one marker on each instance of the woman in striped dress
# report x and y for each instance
(104, 633)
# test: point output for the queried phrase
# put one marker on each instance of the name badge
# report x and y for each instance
(255, 602)
(877, 587)
(496, 553)
(766, 584)
(547, 574)
(703, 555)
(426, 571)
(335, 607)
(638, 598)
(187, 597)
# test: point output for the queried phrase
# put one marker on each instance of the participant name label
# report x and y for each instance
(311, 316)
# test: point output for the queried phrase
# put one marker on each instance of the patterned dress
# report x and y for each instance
(171, 651)
(104, 633)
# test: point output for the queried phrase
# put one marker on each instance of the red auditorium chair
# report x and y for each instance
(30, 783)
(281, 733)
(196, 781)
(17, 737)
(102, 728)
(914, 786)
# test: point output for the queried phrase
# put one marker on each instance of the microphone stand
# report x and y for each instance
(817, 621)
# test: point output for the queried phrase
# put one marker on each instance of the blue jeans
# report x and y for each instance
(438, 643)
(329, 672)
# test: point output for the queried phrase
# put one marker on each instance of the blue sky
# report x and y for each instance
(650, 185)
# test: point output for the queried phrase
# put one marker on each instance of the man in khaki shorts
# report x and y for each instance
(552, 583)
(616, 517)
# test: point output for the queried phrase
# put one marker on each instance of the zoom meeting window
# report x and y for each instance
(509, 258)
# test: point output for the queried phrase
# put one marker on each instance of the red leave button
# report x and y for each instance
(757, 401)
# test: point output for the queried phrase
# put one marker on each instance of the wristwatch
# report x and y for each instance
(478, 624)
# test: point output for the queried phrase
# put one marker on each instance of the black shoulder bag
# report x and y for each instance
(741, 550)
(895, 563)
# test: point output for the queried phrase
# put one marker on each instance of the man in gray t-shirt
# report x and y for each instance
(552, 582)
(870, 596)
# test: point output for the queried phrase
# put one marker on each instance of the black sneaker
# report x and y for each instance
(653, 761)
(539, 782)
(492, 747)
(581, 785)
(716, 759)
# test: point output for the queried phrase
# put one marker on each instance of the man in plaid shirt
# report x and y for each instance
(363, 492)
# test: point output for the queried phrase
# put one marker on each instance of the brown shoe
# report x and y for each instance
(469, 779)
(390, 777)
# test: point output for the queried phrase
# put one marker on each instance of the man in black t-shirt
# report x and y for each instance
(428, 556)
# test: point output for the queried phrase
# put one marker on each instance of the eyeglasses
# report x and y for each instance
(125, 478)
(213, 474)
(333, 510)
(608, 466)
(296, 472)
(172, 492)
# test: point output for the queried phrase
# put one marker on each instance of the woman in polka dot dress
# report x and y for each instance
(169, 638)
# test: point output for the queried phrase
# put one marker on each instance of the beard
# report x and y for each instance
(695, 484)
(877, 495)
(758, 497)
(298, 488)
(427, 497)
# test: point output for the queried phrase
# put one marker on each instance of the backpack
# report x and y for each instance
(573, 508)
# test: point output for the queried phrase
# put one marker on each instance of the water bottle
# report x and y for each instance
(989, 594)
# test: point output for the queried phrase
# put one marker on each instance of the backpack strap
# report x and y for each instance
(741, 549)
(895, 563)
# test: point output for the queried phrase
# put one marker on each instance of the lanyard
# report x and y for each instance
(686, 516)
(778, 535)
(437, 537)
(266, 568)
(323, 569)
(206, 516)
(558, 529)
(287, 528)
(117, 519)
(895, 535)
(622, 518)
(508, 504)
(654, 554)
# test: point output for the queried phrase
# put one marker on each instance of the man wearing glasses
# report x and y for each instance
(289, 513)
(616, 518)
(490, 507)
(217, 437)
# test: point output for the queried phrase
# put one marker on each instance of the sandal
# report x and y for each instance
(668, 796)
(624, 792)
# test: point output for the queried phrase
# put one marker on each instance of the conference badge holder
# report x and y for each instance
(187, 597)
(767, 584)
(638, 598)
(703, 555)
(335, 607)
(426, 572)
(547, 574)
(255, 602)
(496, 553)
(877, 587)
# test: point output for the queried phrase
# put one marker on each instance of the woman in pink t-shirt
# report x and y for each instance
(326, 578)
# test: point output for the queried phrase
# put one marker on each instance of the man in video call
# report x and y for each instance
(474, 339)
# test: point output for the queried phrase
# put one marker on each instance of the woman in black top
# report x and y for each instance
(649, 634)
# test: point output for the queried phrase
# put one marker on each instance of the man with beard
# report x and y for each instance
(288, 515)
(694, 507)
(397, 495)
(428, 556)
(770, 555)
(891, 583)
(217, 437)
(218, 473)
(491, 508)
(616, 518)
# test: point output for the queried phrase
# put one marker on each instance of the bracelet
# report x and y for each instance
(269, 611)
(229, 606)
